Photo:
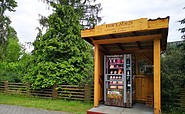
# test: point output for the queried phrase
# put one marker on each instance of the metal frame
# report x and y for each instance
(124, 78)
(105, 78)
(125, 81)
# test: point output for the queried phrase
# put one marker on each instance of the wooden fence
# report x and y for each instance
(70, 92)
(181, 99)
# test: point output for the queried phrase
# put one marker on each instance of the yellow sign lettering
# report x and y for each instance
(123, 26)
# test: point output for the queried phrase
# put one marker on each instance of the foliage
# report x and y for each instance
(88, 75)
(9, 71)
(5, 5)
(87, 9)
(9, 63)
(60, 56)
(13, 48)
(75, 107)
(182, 30)
(175, 110)
(173, 77)
(23, 64)
(9, 47)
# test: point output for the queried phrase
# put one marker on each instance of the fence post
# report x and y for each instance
(87, 93)
(54, 91)
(6, 86)
(27, 89)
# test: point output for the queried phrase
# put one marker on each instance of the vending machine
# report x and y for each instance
(118, 80)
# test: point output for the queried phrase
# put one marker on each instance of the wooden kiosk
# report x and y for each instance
(144, 38)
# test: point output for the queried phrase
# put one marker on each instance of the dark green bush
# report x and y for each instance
(172, 76)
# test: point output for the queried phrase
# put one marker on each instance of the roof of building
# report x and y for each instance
(128, 35)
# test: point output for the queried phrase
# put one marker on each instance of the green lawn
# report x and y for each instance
(74, 107)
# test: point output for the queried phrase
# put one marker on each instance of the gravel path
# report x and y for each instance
(11, 109)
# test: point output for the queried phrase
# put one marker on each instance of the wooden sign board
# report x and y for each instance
(87, 32)
(123, 26)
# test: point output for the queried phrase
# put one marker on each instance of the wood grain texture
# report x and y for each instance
(128, 39)
(126, 26)
(96, 75)
(157, 77)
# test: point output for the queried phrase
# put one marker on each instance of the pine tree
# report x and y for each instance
(182, 30)
(88, 10)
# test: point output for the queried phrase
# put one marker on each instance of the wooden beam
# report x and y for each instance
(96, 75)
(158, 23)
(120, 46)
(139, 44)
(148, 58)
(157, 78)
(105, 49)
(164, 39)
(91, 39)
(112, 35)
(132, 51)
(127, 39)
(87, 33)
(137, 64)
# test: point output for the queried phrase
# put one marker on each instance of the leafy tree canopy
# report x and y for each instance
(5, 5)
(9, 64)
(13, 48)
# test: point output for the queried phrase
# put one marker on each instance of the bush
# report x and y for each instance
(172, 76)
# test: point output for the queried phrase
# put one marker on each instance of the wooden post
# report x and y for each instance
(96, 75)
(157, 78)
(54, 91)
(87, 93)
(5, 86)
(27, 89)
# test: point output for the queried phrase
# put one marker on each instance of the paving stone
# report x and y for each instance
(11, 109)
(114, 110)
(136, 109)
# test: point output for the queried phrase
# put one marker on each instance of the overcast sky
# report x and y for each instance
(25, 19)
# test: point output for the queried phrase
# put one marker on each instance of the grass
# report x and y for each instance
(74, 107)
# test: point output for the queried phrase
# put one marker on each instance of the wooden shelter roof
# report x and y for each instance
(127, 36)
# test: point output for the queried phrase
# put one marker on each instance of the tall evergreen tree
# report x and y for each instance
(182, 30)
(87, 9)
(60, 56)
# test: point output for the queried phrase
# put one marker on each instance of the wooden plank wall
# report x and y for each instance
(144, 87)
(101, 80)
(144, 84)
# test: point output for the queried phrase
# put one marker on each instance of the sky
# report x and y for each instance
(25, 19)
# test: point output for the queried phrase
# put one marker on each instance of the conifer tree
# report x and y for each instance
(60, 56)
